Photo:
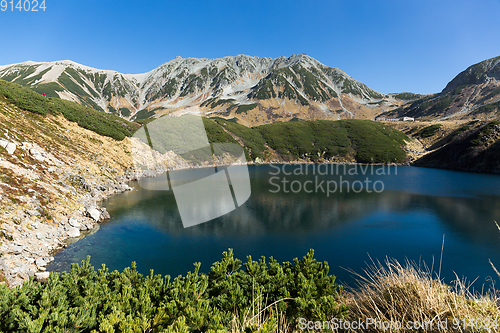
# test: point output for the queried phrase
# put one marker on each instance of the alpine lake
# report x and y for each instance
(351, 215)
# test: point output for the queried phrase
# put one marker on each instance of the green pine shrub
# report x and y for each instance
(429, 131)
(86, 300)
(100, 122)
(406, 96)
(367, 141)
(245, 108)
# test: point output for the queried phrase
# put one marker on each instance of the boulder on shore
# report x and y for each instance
(74, 222)
(74, 232)
(94, 213)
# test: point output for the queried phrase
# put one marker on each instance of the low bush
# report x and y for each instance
(86, 300)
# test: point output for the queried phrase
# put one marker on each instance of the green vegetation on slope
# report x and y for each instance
(463, 128)
(375, 142)
(428, 106)
(245, 108)
(407, 96)
(441, 105)
(300, 139)
(144, 114)
(216, 133)
(484, 132)
(100, 122)
(493, 93)
(168, 90)
(311, 84)
(488, 108)
(20, 75)
(429, 131)
(214, 102)
(263, 90)
(49, 89)
(86, 300)
(365, 140)
(125, 112)
(254, 143)
(349, 88)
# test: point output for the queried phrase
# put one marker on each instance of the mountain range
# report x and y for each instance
(254, 90)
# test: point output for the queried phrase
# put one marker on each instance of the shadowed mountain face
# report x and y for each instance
(484, 72)
(473, 147)
(472, 94)
(252, 89)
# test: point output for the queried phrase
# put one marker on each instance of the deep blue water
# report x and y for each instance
(407, 220)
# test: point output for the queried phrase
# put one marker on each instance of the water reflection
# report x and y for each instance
(303, 212)
(402, 221)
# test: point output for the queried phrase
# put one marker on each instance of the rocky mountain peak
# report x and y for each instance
(256, 89)
(483, 72)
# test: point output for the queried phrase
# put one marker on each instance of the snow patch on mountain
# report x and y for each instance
(52, 75)
(67, 96)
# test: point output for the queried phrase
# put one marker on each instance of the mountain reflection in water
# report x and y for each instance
(406, 220)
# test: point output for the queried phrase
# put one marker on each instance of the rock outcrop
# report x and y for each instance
(53, 175)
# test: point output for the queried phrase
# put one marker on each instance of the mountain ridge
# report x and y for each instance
(283, 88)
(481, 72)
(473, 94)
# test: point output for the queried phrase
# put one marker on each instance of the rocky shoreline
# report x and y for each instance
(53, 175)
(29, 245)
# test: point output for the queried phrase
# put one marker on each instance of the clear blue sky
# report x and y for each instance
(392, 45)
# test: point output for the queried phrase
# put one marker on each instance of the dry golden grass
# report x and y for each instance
(492, 265)
(392, 292)
(260, 318)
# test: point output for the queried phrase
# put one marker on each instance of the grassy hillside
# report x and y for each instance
(97, 121)
(362, 140)
(474, 146)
